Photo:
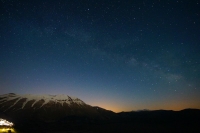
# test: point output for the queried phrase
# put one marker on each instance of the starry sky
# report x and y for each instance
(121, 55)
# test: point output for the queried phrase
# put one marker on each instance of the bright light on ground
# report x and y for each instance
(5, 130)
(6, 126)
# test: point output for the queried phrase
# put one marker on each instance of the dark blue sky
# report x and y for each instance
(119, 55)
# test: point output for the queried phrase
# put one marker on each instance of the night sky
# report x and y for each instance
(121, 55)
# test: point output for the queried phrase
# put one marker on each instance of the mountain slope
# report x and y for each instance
(48, 108)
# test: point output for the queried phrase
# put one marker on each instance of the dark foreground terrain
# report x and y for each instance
(161, 121)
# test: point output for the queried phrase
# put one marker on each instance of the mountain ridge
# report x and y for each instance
(61, 112)
(36, 98)
(49, 108)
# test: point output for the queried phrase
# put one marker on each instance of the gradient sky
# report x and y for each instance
(121, 55)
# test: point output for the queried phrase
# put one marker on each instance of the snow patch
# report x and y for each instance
(36, 98)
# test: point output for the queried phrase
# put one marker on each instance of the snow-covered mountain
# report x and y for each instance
(47, 107)
(43, 99)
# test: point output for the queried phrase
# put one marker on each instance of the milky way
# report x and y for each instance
(119, 55)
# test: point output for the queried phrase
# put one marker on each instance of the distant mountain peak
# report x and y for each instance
(36, 98)
(48, 108)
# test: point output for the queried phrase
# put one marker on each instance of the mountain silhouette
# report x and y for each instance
(63, 113)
